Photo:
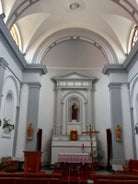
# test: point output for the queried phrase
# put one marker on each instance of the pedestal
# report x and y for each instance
(32, 161)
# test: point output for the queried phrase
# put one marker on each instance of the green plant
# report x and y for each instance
(7, 125)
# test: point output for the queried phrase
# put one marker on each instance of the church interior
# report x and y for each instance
(68, 91)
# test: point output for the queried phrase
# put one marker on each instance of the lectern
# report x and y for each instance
(32, 161)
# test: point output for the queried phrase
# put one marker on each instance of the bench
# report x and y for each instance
(115, 178)
(35, 178)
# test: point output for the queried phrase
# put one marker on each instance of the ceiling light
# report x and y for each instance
(74, 6)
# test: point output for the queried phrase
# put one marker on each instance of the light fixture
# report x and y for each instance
(74, 6)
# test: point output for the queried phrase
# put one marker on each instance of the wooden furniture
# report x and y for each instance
(131, 167)
(32, 161)
(73, 135)
(114, 179)
(29, 178)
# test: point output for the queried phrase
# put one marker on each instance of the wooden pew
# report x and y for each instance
(114, 179)
(30, 178)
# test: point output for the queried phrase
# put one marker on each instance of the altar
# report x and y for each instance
(74, 157)
(63, 146)
(73, 114)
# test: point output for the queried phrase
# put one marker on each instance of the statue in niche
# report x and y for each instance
(74, 111)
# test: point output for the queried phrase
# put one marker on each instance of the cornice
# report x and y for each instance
(129, 62)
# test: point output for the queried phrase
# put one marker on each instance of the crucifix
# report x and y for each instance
(90, 133)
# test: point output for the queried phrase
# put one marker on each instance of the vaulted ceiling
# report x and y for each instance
(43, 24)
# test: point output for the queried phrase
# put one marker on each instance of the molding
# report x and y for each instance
(16, 54)
(79, 33)
(37, 68)
(116, 84)
(3, 63)
(19, 10)
(128, 7)
(126, 66)
(74, 76)
(74, 80)
(33, 84)
(110, 68)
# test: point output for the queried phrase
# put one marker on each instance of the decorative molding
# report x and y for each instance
(19, 10)
(3, 63)
(75, 33)
(126, 66)
(127, 6)
(74, 80)
(37, 68)
(33, 84)
(110, 68)
(16, 54)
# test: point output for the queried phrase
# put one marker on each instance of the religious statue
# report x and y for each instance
(118, 133)
(74, 111)
(30, 131)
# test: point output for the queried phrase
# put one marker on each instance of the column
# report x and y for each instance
(90, 118)
(32, 115)
(58, 119)
(3, 65)
(116, 119)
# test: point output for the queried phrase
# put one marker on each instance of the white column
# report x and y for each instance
(32, 116)
(58, 119)
(90, 118)
(3, 65)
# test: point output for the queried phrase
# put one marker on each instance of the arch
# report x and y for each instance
(8, 106)
(133, 89)
(15, 85)
(73, 33)
(73, 97)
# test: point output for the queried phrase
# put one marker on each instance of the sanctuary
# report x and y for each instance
(74, 98)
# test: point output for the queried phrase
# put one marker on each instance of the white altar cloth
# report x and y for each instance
(74, 157)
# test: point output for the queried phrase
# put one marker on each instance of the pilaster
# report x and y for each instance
(3, 65)
(32, 116)
(58, 119)
(116, 119)
(90, 117)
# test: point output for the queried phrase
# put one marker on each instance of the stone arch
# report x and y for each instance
(69, 33)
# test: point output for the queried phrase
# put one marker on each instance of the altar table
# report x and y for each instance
(74, 157)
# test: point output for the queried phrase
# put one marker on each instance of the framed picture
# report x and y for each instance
(7, 129)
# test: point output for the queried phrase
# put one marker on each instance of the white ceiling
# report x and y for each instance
(43, 24)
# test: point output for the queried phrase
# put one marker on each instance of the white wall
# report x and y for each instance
(102, 115)
(46, 114)
(11, 85)
(133, 79)
(5, 53)
(67, 53)
(21, 136)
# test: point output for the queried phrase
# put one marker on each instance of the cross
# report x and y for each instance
(90, 133)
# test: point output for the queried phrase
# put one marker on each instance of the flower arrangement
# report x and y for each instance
(8, 165)
(7, 126)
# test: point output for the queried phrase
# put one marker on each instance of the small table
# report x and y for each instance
(74, 157)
